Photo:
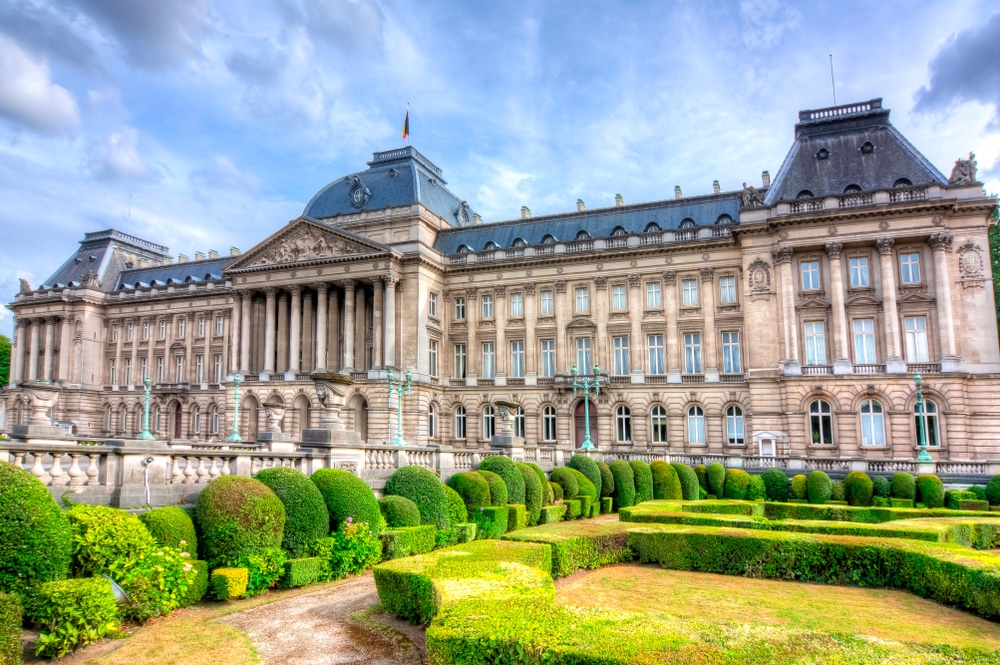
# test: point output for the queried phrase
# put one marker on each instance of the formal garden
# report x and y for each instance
(625, 562)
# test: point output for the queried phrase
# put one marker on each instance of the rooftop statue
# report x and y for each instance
(751, 198)
(964, 172)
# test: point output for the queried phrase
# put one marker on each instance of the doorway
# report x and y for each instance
(580, 423)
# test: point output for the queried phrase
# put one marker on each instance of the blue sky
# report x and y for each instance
(220, 119)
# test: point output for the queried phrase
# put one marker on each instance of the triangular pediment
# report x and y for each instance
(914, 295)
(813, 302)
(581, 322)
(863, 299)
(307, 241)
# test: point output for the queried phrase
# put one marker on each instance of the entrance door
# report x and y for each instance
(177, 421)
(581, 424)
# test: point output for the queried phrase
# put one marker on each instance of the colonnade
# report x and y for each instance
(35, 356)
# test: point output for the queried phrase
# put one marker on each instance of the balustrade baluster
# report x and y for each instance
(93, 469)
(226, 471)
(18, 459)
(38, 470)
(59, 477)
(200, 468)
(75, 474)
(214, 471)
(189, 470)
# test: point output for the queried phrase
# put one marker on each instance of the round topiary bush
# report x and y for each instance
(307, 517)
(993, 490)
(424, 488)
(643, 477)
(173, 527)
(837, 490)
(504, 467)
(607, 480)
(346, 495)
(930, 490)
(702, 472)
(756, 490)
(457, 512)
(238, 515)
(547, 496)
(716, 474)
(775, 485)
(473, 488)
(881, 487)
(556, 489)
(904, 486)
(666, 484)
(979, 491)
(583, 485)
(104, 537)
(737, 482)
(589, 468)
(858, 489)
(819, 488)
(399, 512)
(35, 537)
(532, 493)
(498, 489)
(567, 481)
(689, 481)
(624, 495)
(799, 486)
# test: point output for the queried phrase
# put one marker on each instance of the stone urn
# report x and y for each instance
(506, 439)
(274, 413)
(41, 396)
(331, 389)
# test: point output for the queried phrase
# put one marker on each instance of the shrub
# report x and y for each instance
(346, 495)
(585, 504)
(953, 499)
(737, 482)
(352, 549)
(557, 491)
(566, 480)
(837, 491)
(702, 494)
(307, 517)
(572, 509)
(880, 502)
(775, 484)
(900, 503)
(10, 629)
(301, 572)
(607, 480)
(473, 488)
(264, 568)
(490, 521)
(532, 493)
(858, 489)
(643, 477)
(547, 497)
(172, 526)
(799, 486)
(881, 487)
(979, 492)
(504, 467)
(397, 543)
(422, 487)
(157, 583)
(583, 485)
(517, 517)
(229, 583)
(701, 471)
(466, 532)
(716, 474)
(756, 489)
(498, 489)
(74, 613)
(398, 512)
(818, 487)
(457, 512)
(607, 505)
(903, 486)
(688, 479)
(624, 495)
(930, 490)
(553, 513)
(992, 490)
(238, 515)
(666, 484)
(589, 468)
(198, 586)
(35, 540)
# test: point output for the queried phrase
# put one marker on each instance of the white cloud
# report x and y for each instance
(223, 173)
(116, 157)
(28, 96)
(764, 21)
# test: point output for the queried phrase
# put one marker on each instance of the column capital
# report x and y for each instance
(269, 292)
(529, 289)
(560, 286)
(885, 245)
(295, 289)
(321, 287)
(781, 255)
(940, 241)
(240, 294)
(471, 293)
(390, 280)
(670, 277)
(633, 279)
(52, 320)
(601, 282)
(707, 274)
(347, 284)
(500, 291)
(833, 249)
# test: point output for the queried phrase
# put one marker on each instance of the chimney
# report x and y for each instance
(677, 192)
(580, 205)
(715, 187)
(477, 218)
(199, 256)
(168, 259)
(212, 254)
(525, 212)
(619, 201)
(234, 251)
(182, 258)
(766, 178)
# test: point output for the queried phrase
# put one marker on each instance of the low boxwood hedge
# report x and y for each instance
(74, 613)
(504, 467)
(229, 583)
(607, 505)
(397, 543)
(490, 521)
(553, 513)
(572, 509)
(10, 629)
(302, 572)
(465, 532)
(578, 546)
(517, 517)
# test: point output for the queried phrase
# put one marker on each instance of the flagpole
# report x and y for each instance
(407, 124)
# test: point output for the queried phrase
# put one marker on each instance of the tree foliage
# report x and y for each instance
(5, 354)
(994, 237)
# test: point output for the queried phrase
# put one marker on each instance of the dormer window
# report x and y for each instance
(491, 246)
(548, 239)
(724, 219)
(518, 242)
(464, 249)
(653, 227)
(867, 148)
(805, 194)
(619, 231)
(823, 154)
(582, 235)
(688, 223)
(852, 189)
(902, 182)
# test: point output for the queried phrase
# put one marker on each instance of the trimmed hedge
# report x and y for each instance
(10, 629)
(556, 490)
(858, 489)
(588, 468)
(565, 479)
(837, 494)
(737, 482)
(473, 488)
(72, 614)
(701, 471)
(173, 527)
(819, 489)
(504, 467)
(199, 585)
(547, 497)
(607, 480)
(397, 543)
(903, 486)
(607, 505)
(643, 478)
(229, 583)
(624, 495)
(689, 481)
(900, 503)
(776, 485)
(980, 492)
(756, 489)
(235, 515)
(583, 486)
(993, 490)
(578, 547)
(716, 475)
(307, 517)
(466, 532)
(399, 512)
(457, 512)
(572, 509)
(517, 517)
(346, 495)
(799, 486)
(424, 488)
(490, 521)
(881, 487)
(498, 489)
(666, 484)
(533, 495)
(302, 572)
(585, 503)
(930, 491)
(553, 513)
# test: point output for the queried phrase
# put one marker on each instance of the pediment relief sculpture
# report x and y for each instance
(307, 245)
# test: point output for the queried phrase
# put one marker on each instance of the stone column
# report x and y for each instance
(65, 344)
(234, 333)
(941, 246)
(308, 331)
(473, 356)
(672, 341)
(207, 366)
(377, 333)
(17, 352)
(636, 342)
(894, 363)
(118, 350)
(348, 285)
(500, 317)
(600, 309)
(390, 319)
(245, 333)
(562, 355)
(295, 330)
(530, 342)
(791, 366)
(50, 341)
(269, 323)
(711, 356)
(227, 320)
(333, 353)
(281, 365)
(321, 322)
(189, 368)
(841, 338)
(135, 352)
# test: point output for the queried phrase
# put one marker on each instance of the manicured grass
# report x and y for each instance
(721, 599)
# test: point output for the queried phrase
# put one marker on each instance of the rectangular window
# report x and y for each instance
(654, 297)
(487, 307)
(689, 292)
(128, 371)
(692, 353)
(143, 369)
(201, 326)
(179, 369)
(432, 305)
(145, 330)
(459, 309)
(859, 271)
(915, 328)
(815, 334)
(621, 365)
(727, 290)
(161, 370)
(217, 362)
(432, 357)
(731, 361)
(112, 372)
(655, 345)
(460, 361)
(114, 333)
(545, 302)
(181, 327)
(220, 326)
(163, 329)
(583, 363)
(129, 332)
(583, 299)
(489, 360)
(810, 275)
(864, 341)
(618, 298)
(199, 369)
(548, 357)
(517, 305)
(909, 268)
(517, 359)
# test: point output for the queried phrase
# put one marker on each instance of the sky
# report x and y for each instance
(203, 124)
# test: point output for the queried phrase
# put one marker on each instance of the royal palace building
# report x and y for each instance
(785, 319)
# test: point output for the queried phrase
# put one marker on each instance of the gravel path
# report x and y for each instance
(316, 629)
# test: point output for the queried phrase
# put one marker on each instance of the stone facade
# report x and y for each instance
(785, 320)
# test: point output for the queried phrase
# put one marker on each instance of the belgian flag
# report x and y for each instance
(406, 123)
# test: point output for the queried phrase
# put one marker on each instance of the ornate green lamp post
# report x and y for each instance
(924, 456)
(587, 386)
(146, 435)
(398, 388)
(235, 436)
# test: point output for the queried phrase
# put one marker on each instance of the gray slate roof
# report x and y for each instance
(105, 253)
(173, 273)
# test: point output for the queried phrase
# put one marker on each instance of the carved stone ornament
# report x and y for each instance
(91, 281)
(560, 286)
(25, 287)
(782, 255)
(964, 172)
(359, 193)
(940, 241)
(885, 245)
(633, 279)
(707, 274)
(462, 213)
(601, 282)
(970, 262)
(309, 244)
(750, 197)
(759, 277)
(670, 277)
(833, 249)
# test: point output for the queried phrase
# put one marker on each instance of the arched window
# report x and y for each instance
(619, 231)
(519, 422)
(215, 420)
(696, 425)
(464, 249)
(724, 219)
(491, 245)
(196, 420)
(157, 423)
(652, 227)
(851, 189)
(549, 423)
(804, 194)
(932, 433)
(460, 422)
(734, 426)
(658, 424)
(489, 422)
(820, 422)
(872, 424)
(902, 182)
(109, 420)
(582, 235)
(518, 242)
(688, 223)
(431, 422)
(548, 239)
(623, 424)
